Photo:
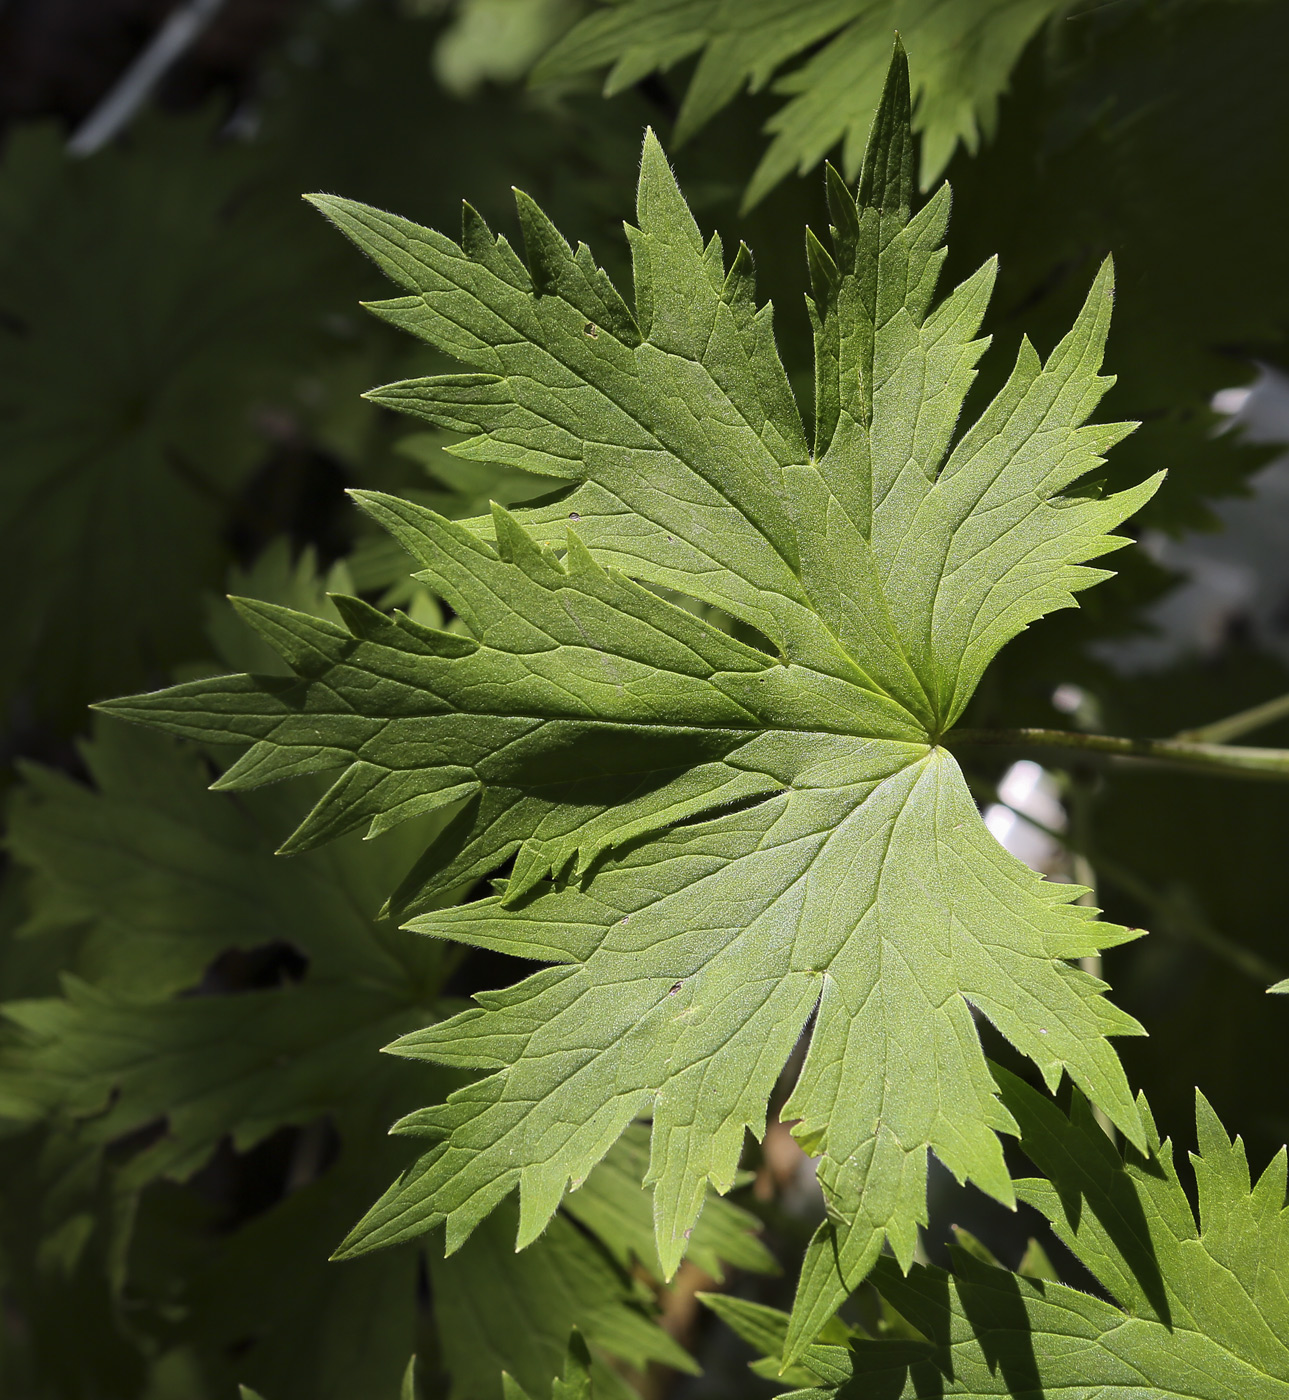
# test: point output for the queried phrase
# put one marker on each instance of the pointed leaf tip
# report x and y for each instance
(886, 179)
(328, 205)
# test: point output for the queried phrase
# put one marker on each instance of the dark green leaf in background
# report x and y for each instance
(960, 58)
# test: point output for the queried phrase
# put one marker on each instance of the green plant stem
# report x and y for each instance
(1243, 722)
(1234, 760)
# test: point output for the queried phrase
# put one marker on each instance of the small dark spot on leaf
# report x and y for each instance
(591, 329)
(573, 515)
(675, 988)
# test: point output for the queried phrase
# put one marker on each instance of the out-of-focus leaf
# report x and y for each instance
(960, 58)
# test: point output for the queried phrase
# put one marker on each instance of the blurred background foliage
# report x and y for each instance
(192, 1107)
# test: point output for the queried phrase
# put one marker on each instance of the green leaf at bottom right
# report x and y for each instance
(1200, 1311)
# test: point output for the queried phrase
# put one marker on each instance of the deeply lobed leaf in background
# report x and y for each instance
(179, 359)
(1124, 128)
(960, 58)
(576, 1383)
(596, 732)
(159, 890)
(138, 327)
(1199, 1310)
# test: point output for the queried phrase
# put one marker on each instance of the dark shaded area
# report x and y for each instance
(246, 969)
(59, 58)
(238, 1186)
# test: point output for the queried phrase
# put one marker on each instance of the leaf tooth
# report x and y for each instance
(1215, 1146)
(477, 240)
(739, 288)
(1147, 1116)
(360, 796)
(549, 255)
(385, 238)
(660, 206)
(414, 526)
(533, 864)
(308, 644)
(403, 1211)
(579, 562)
(455, 1043)
(404, 313)
(605, 305)
(218, 710)
(458, 402)
(541, 1189)
(344, 806)
(927, 229)
(271, 762)
(886, 179)
(1086, 340)
(399, 631)
(516, 546)
(1269, 1193)
(843, 212)
(825, 277)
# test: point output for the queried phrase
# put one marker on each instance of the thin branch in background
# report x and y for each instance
(1245, 722)
(119, 108)
(1180, 916)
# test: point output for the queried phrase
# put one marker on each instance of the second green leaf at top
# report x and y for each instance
(711, 840)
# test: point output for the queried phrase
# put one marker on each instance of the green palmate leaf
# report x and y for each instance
(712, 840)
(1199, 1312)
(960, 58)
